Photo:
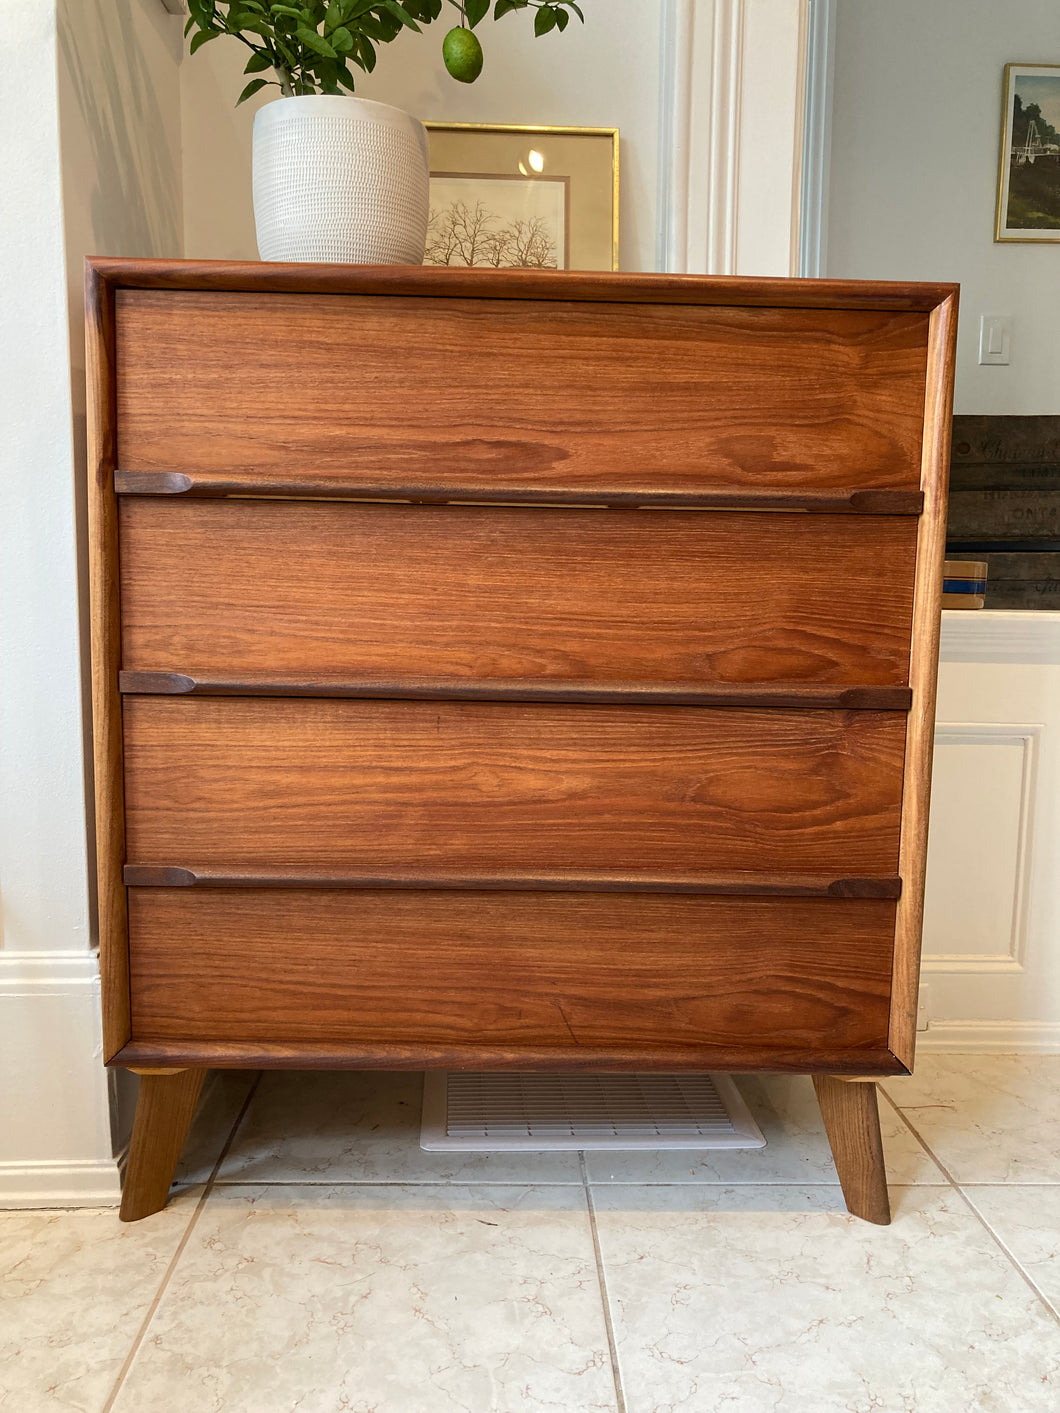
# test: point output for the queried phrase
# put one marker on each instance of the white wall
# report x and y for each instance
(92, 142)
(915, 136)
(53, 1112)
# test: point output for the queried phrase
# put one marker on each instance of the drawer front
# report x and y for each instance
(436, 393)
(312, 589)
(522, 970)
(366, 785)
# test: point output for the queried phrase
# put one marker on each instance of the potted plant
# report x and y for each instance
(336, 177)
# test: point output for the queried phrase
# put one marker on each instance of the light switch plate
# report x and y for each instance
(995, 334)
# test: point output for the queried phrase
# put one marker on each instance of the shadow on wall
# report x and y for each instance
(107, 47)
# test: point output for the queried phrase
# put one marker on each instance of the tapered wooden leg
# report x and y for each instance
(163, 1115)
(851, 1116)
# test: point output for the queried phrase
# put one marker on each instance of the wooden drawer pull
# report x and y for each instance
(828, 501)
(805, 885)
(523, 689)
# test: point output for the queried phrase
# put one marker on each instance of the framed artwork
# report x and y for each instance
(1028, 186)
(523, 197)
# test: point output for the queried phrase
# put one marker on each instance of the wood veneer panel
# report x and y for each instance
(367, 785)
(305, 967)
(923, 677)
(311, 590)
(391, 392)
(105, 630)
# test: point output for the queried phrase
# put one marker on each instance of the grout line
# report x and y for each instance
(959, 1190)
(181, 1244)
(612, 1347)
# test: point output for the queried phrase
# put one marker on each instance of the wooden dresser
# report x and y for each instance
(512, 669)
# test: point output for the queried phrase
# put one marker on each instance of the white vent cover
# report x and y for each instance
(494, 1112)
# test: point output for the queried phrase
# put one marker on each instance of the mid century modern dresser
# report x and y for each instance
(512, 669)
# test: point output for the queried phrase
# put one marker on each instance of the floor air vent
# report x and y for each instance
(494, 1112)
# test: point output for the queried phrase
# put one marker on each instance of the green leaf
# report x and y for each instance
(287, 10)
(365, 53)
(251, 24)
(576, 8)
(544, 20)
(190, 25)
(202, 12)
(314, 41)
(505, 7)
(474, 10)
(402, 14)
(374, 26)
(203, 37)
(258, 62)
(346, 79)
(251, 89)
(562, 19)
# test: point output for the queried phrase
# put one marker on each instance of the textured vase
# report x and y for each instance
(340, 179)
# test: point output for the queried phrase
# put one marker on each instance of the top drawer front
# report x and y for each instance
(428, 394)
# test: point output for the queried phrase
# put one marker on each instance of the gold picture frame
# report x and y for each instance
(528, 197)
(1028, 181)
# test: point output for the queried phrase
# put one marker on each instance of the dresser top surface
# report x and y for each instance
(579, 285)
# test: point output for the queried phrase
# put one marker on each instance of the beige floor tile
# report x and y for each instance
(770, 1300)
(988, 1118)
(363, 1127)
(1026, 1220)
(796, 1150)
(380, 1300)
(74, 1289)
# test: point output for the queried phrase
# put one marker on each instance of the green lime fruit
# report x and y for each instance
(462, 54)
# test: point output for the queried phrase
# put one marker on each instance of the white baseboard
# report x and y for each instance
(55, 1132)
(62, 1183)
(990, 1037)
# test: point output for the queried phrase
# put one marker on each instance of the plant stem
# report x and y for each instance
(285, 81)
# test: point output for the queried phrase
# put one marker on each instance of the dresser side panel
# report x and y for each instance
(105, 635)
(923, 677)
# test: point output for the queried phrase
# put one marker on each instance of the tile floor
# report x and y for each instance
(313, 1258)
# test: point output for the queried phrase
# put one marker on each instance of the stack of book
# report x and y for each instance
(963, 583)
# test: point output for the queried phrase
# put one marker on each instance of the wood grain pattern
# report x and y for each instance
(675, 396)
(105, 630)
(852, 1121)
(748, 883)
(423, 280)
(923, 677)
(164, 1110)
(365, 785)
(461, 593)
(523, 971)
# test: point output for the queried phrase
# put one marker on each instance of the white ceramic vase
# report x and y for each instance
(340, 179)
